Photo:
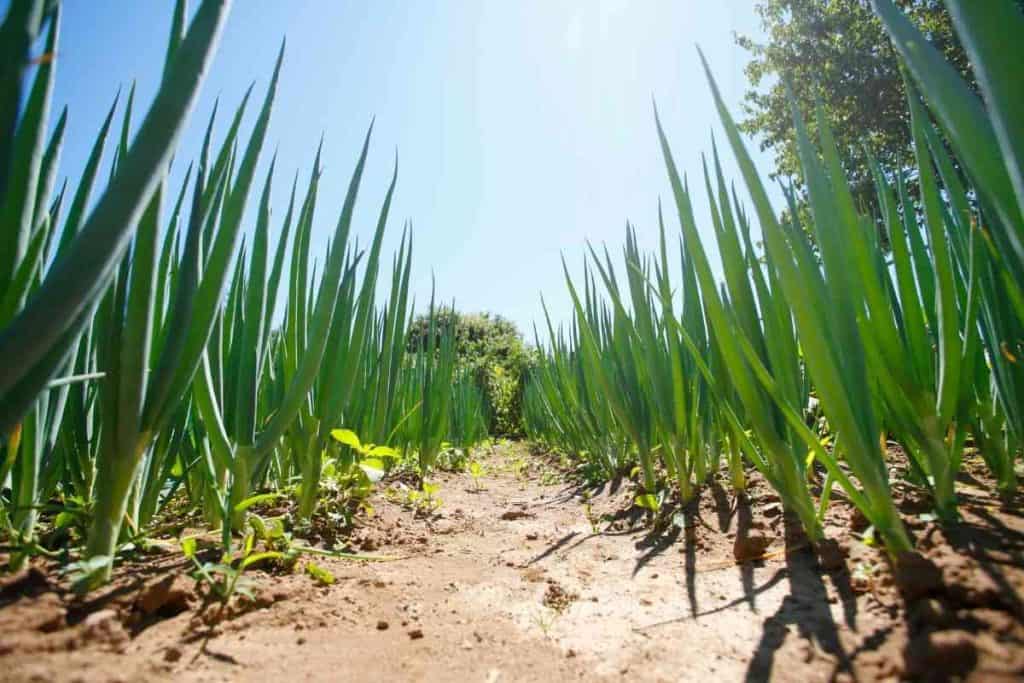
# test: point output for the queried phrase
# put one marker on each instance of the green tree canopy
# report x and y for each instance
(837, 50)
(491, 347)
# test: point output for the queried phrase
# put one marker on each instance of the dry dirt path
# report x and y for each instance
(509, 582)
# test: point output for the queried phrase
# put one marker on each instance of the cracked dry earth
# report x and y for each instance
(508, 581)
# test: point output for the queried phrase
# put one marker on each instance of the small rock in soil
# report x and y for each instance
(169, 595)
(382, 625)
(916, 575)
(952, 652)
(263, 598)
(858, 522)
(172, 654)
(516, 514)
(750, 547)
(416, 634)
(831, 555)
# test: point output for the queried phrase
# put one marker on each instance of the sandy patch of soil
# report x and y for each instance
(516, 578)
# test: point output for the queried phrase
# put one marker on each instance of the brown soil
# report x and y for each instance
(510, 583)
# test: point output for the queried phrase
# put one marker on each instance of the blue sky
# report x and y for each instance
(523, 129)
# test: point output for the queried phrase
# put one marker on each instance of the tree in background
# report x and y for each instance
(837, 50)
(491, 347)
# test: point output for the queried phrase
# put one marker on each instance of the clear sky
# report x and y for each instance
(523, 128)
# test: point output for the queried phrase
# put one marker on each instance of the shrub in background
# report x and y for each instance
(492, 349)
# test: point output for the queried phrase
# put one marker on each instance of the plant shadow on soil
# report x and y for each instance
(519, 578)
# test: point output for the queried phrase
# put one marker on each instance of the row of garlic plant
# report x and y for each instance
(152, 356)
(920, 344)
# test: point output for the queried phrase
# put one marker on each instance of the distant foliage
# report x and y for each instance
(839, 51)
(492, 349)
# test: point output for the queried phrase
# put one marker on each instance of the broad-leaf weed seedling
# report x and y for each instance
(476, 470)
(225, 578)
(423, 502)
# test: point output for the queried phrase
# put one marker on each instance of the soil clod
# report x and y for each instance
(916, 575)
(752, 547)
(169, 596)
